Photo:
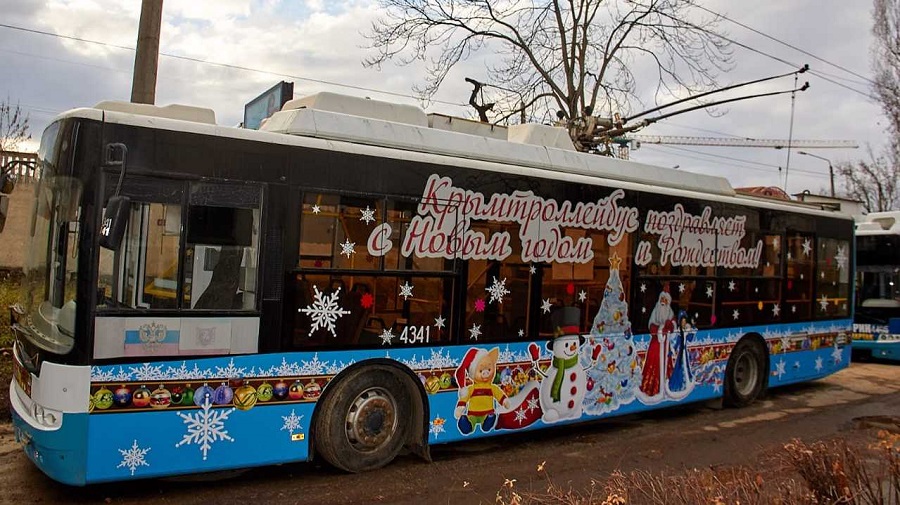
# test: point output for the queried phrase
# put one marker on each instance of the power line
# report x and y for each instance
(741, 160)
(770, 37)
(227, 65)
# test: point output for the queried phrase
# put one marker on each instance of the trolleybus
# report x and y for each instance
(359, 277)
(876, 328)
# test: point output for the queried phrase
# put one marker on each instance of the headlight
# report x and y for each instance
(46, 417)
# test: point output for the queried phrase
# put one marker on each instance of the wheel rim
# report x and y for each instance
(746, 374)
(372, 420)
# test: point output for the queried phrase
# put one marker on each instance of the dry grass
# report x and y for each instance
(825, 472)
(9, 294)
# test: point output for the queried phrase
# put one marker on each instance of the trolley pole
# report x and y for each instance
(146, 56)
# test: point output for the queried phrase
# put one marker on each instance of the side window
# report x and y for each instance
(221, 247)
(752, 295)
(143, 272)
(833, 280)
(351, 261)
(220, 232)
(799, 276)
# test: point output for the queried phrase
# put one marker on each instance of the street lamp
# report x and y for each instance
(830, 167)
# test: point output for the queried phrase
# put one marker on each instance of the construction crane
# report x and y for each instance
(635, 141)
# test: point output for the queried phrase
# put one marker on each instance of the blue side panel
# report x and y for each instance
(61, 453)
(156, 443)
(207, 414)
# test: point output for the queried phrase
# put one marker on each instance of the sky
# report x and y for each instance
(222, 53)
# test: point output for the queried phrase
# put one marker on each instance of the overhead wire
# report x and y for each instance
(731, 158)
(229, 65)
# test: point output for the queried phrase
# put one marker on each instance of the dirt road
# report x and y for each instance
(692, 436)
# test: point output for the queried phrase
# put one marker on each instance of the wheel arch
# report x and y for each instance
(417, 438)
(729, 397)
(758, 340)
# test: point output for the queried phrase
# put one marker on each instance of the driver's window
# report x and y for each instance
(143, 272)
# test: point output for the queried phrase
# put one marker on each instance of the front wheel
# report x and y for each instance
(745, 374)
(364, 421)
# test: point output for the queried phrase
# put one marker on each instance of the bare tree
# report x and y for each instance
(571, 58)
(13, 126)
(875, 182)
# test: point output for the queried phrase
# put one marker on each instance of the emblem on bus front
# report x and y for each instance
(152, 334)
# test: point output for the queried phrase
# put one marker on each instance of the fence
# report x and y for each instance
(24, 166)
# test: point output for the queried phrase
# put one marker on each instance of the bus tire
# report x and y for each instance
(364, 421)
(745, 374)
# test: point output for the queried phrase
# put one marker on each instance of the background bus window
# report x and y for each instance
(833, 279)
(221, 247)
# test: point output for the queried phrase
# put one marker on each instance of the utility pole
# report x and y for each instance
(830, 167)
(146, 56)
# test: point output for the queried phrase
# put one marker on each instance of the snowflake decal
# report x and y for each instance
(347, 248)
(367, 215)
(807, 247)
(292, 422)
(582, 296)
(406, 290)
(819, 364)
(147, 372)
(316, 209)
(497, 290)
(475, 331)
(837, 355)
(780, 368)
(324, 311)
(437, 426)
(841, 258)
(205, 427)
(387, 336)
(133, 457)
(545, 307)
(367, 301)
(479, 305)
(823, 303)
(230, 371)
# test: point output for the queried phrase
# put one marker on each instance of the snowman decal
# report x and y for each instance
(564, 382)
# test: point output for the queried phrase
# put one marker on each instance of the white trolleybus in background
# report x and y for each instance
(876, 328)
(358, 277)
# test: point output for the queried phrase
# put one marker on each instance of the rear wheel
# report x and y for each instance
(745, 375)
(364, 420)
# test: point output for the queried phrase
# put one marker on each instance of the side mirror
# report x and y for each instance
(115, 219)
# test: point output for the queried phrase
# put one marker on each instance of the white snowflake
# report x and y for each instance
(709, 291)
(406, 290)
(681, 287)
(807, 247)
(292, 422)
(284, 369)
(316, 209)
(837, 355)
(841, 258)
(533, 404)
(532, 269)
(439, 322)
(736, 314)
(438, 359)
(324, 311)
(643, 288)
(731, 286)
(474, 331)
(521, 415)
(437, 426)
(111, 375)
(336, 367)
(367, 215)
(205, 427)
(823, 303)
(183, 372)
(582, 296)
(133, 457)
(497, 290)
(387, 336)
(230, 371)
(313, 366)
(147, 372)
(779, 368)
(545, 306)
(776, 309)
(347, 248)
(819, 364)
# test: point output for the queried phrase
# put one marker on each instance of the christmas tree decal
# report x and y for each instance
(611, 381)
